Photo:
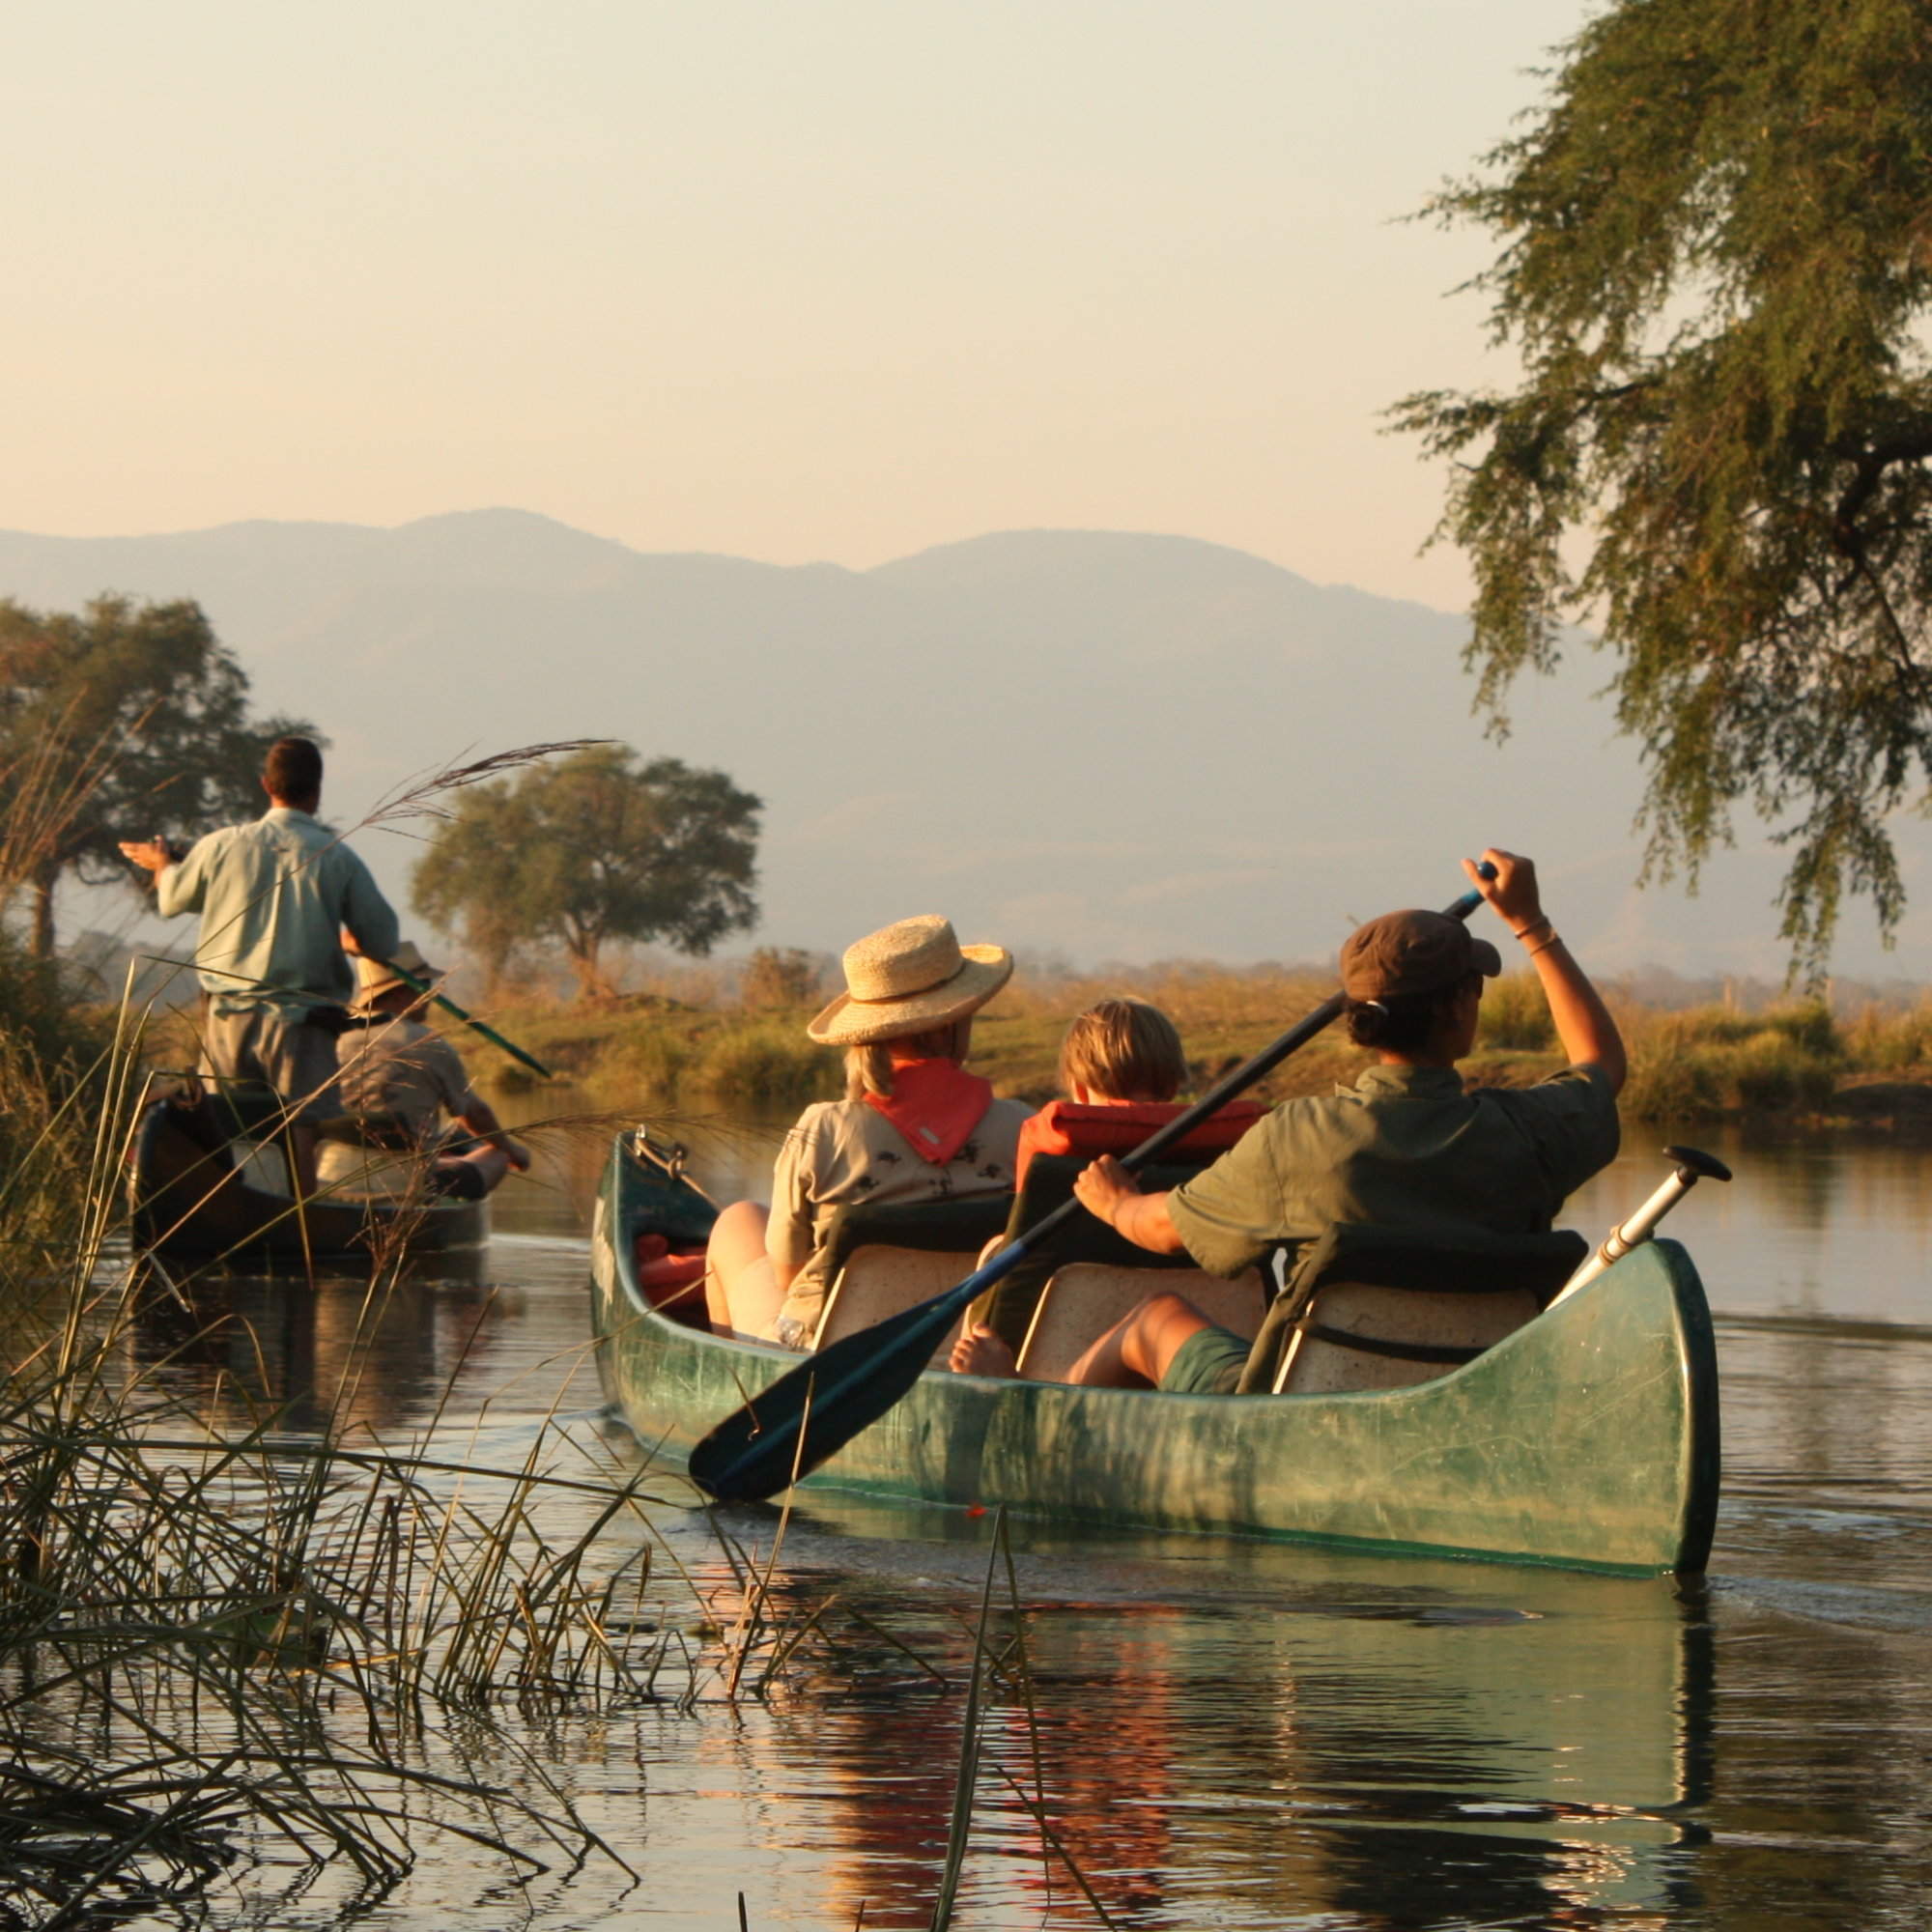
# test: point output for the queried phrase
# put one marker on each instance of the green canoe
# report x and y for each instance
(1588, 1438)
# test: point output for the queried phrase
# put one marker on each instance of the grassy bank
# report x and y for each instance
(1797, 1061)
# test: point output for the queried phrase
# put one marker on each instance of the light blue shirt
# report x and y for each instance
(273, 897)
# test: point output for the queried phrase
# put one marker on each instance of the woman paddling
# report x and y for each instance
(1406, 1147)
(914, 1125)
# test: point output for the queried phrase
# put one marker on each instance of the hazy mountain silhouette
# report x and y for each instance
(1104, 744)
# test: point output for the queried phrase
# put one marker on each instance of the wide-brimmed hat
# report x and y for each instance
(910, 978)
(376, 977)
(1405, 952)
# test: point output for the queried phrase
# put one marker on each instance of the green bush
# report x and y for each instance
(1668, 1081)
(1809, 1025)
(1515, 1016)
(768, 1064)
(49, 1048)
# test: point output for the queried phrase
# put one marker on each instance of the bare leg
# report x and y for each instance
(740, 1289)
(1138, 1349)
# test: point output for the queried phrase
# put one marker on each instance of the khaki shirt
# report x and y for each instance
(842, 1150)
(273, 897)
(401, 1070)
(1404, 1147)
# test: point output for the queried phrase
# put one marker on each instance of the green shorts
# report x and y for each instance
(1209, 1362)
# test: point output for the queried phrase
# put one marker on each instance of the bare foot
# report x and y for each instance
(981, 1353)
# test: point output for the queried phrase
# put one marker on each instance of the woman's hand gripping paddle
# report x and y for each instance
(814, 1411)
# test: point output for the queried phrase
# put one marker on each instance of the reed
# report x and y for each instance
(219, 1652)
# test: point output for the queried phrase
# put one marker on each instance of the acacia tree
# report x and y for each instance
(1716, 261)
(126, 719)
(593, 848)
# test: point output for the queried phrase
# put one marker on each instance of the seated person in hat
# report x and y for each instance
(399, 1078)
(914, 1125)
(1406, 1147)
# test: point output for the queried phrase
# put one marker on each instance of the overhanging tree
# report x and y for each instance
(1716, 263)
(592, 848)
(127, 720)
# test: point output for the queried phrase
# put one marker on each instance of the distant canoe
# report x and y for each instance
(192, 1201)
(1586, 1439)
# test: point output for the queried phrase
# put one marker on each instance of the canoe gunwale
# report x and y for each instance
(1484, 1463)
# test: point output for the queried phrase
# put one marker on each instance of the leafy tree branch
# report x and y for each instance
(1715, 265)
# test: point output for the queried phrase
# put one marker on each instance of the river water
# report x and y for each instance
(1227, 1733)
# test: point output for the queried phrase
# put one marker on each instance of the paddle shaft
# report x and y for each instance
(410, 979)
(1692, 1167)
(468, 1019)
(1231, 1086)
(813, 1409)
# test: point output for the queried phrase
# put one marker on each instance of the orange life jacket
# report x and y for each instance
(1073, 1127)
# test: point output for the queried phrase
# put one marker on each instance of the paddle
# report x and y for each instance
(1691, 1167)
(468, 1019)
(814, 1411)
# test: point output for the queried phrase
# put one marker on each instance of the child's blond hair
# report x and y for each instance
(1125, 1049)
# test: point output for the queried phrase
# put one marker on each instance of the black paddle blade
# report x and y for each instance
(814, 1411)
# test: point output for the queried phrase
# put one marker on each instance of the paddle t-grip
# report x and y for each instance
(1690, 1165)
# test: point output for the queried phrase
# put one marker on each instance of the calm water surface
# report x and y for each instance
(1237, 1734)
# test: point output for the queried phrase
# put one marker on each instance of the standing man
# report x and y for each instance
(274, 897)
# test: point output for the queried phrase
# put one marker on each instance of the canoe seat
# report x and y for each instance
(886, 1259)
(1369, 1308)
(877, 1282)
(1082, 1300)
(1047, 1185)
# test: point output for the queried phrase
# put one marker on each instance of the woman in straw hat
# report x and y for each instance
(914, 1125)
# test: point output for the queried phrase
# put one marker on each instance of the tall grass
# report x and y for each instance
(211, 1647)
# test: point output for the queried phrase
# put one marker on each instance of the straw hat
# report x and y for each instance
(376, 977)
(910, 978)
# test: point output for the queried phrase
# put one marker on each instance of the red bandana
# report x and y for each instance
(935, 1104)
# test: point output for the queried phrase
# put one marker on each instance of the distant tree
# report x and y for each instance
(779, 976)
(127, 720)
(593, 848)
(1716, 263)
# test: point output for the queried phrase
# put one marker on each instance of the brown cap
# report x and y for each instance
(1413, 952)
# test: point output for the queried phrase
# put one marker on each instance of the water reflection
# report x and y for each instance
(371, 1360)
(1316, 1740)
(1229, 1734)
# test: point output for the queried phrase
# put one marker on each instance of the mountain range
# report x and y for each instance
(1090, 745)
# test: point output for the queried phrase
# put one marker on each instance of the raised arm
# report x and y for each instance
(1583, 1024)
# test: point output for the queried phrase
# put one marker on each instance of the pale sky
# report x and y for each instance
(831, 279)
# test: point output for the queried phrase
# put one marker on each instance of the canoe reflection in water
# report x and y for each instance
(349, 1358)
(1332, 1737)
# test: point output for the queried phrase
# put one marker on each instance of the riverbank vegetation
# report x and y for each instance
(712, 1044)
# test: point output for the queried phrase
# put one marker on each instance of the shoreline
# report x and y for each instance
(648, 1052)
